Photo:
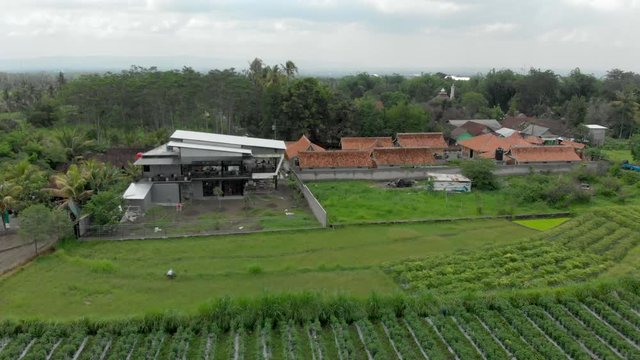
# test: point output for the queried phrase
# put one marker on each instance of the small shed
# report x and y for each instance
(596, 133)
(449, 182)
(138, 194)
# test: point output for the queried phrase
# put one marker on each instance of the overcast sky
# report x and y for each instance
(594, 35)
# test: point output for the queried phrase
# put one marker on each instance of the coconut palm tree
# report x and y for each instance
(290, 69)
(99, 175)
(74, 142)
(9, 194)
(71, 187)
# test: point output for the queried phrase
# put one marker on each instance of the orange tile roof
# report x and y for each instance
(428, 140)
(551, 153)
(536, 140)
(404, 156)
(302, 144)
(488, 143)
(365, 143)
(335, 159)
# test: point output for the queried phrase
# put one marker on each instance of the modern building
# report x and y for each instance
(199, 165)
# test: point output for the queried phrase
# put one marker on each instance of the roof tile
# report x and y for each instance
(404, 156)
(302, 144)
(365, 143)
(335, 159)
(428, 140)
(529, 154)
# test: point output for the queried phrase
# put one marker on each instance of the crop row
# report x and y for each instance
(590, 324)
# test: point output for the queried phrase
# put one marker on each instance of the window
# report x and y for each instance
(146, 168)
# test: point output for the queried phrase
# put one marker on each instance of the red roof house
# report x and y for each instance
(544, 154)
(487, 144)
(428, 140)
(365, 143)
(335, 159)
(404, 156)
(302, 144)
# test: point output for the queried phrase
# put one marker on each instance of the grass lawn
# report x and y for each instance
(357, 201)
(115, 279)
(618, 155)
(541, 224)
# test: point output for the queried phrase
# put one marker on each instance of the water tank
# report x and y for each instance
(499, 154)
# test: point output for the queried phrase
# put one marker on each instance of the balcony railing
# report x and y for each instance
(201, 175)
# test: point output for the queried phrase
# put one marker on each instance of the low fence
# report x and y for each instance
(16, 255)
(316, 208)
(178, 229)
(391, 173)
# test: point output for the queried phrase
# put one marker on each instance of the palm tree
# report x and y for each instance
(9, 194)
(290, 69)
(71, 187)
(74, 142)
(99, 175)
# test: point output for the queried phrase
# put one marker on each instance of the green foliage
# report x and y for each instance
(480, 171)
(41, 224)
(404, 117)
(106, 207)
(634, 146)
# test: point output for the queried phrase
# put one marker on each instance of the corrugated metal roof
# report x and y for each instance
(228, 139)
(596, 127)
(137, 191)
(448, 177)
(161, 151)
(187, 145)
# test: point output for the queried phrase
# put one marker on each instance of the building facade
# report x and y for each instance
(197, 165)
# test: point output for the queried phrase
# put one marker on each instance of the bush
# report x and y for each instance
(105, 207)
(480, 171)
(609, 186)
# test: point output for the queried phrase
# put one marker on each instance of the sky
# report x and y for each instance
(595, 35)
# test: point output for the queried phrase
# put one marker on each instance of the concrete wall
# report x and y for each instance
(597, 136)
(165, 193)
(384, 174)
(315, 206)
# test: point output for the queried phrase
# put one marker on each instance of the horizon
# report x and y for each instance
(322, 35)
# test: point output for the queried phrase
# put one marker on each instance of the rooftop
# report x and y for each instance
(488, 143)
(428, 140)
(527, 154)
(335, 159)
(364, 143)
(404, 156)
(491, 123)
(182, 135)
(596, 127)
(302, 144)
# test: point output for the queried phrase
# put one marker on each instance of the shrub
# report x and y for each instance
(480, 171)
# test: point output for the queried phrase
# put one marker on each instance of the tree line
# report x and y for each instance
(274, 101)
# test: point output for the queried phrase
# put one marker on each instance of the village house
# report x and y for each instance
(543, 154)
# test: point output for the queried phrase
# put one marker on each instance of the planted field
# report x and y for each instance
(582, 323)
(577, 250)
(115, 279)
(542, 224)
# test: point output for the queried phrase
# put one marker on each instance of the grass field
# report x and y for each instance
(542, 224)
(349, 202)
(618, 155)
(357, 201)
(114, 279)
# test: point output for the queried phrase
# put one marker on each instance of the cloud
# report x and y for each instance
(605, 5)
(498, 27)
(567, 36)
(416, 7)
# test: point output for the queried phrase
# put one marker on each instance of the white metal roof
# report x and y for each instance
(596, 127)
(448, 177)
(228, 139)
(156, 161)
(187, 145)
(160, 151)
(137, 191)
(506, 132)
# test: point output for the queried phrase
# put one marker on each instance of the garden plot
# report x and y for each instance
(589, 324)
